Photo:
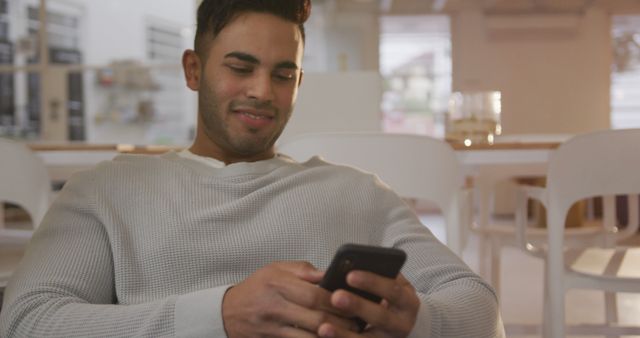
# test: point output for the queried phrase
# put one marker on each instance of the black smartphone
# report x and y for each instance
(383, 261)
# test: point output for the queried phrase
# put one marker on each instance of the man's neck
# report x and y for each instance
(219, 155)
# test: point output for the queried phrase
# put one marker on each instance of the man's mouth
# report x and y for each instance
(256, 116)
(254, 119)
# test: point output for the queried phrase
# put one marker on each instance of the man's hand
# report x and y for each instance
(280, 300)
(394, 317)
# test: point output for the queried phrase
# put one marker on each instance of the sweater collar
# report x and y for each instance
(239, 168)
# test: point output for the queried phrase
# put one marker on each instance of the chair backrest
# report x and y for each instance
(601, 163)
(594, 164)
(413, 166)
(24, 179)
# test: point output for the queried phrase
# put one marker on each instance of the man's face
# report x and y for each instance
(248, 85)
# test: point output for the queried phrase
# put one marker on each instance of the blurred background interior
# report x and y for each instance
(109, 71)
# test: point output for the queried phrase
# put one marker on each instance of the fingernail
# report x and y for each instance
(342, 301)
(327, 331)
(354, 278)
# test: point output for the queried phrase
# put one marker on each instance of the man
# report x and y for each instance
(228, 238)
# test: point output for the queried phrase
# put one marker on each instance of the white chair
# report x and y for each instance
(413, 166)
(595, 164)
(492, 238)
(24, 181)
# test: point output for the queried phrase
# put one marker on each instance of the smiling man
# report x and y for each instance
(247, 79)
(228, 238)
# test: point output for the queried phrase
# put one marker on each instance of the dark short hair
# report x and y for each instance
(214, 15)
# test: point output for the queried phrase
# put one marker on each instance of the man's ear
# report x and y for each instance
(191, 66)
(301, 76)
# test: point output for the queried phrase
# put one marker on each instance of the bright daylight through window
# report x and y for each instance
(625, 73)
(415, 61)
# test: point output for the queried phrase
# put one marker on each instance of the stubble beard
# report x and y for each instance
(217, 130)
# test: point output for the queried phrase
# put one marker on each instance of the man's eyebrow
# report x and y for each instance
(243, 57)
(287, 65)
(253, 60)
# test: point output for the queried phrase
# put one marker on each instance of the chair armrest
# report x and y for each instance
(633, 221)
(10, 237)
(523, 194)
(465, 205)
(536, 193)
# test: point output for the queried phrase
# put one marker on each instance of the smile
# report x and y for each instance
(255, 117)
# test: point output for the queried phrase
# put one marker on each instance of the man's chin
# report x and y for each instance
(251, 148)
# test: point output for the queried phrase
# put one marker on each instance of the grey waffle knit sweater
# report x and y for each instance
(147, 246)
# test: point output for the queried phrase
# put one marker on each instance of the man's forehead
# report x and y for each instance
(250, 18)
(260, 36)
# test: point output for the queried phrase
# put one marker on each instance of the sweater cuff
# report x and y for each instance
(199, 314)
(422, 328)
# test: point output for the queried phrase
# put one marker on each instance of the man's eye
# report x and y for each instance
(241, 70)
(284, 76)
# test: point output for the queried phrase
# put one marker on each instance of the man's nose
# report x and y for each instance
(261, 88)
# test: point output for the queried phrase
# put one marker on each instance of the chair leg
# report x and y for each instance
(494, 267)
(1, 215)
(611, 310)
(546, 311)
(556, 305)
(483, 256)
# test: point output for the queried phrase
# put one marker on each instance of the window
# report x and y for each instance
(415, 61)
(625, 76)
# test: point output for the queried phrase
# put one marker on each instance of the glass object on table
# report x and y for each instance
(474, 117)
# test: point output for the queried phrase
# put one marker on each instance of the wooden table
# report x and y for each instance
(62, 160)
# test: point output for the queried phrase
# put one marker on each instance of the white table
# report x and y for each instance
(491, 165)
(487, 167)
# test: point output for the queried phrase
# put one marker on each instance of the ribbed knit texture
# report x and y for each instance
(142, 245)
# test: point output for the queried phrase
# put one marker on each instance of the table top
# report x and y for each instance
(489, 161)
(157, 149)
(121, 148)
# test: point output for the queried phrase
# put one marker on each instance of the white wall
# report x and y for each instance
(353, 40)
(115, 29)
(553, 81)
(342, 38)
(336, 102)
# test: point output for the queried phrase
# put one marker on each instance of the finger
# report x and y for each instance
(311, 320)
(397, 292)
(355, 306)
(379, 317)
(306, 295)
(303, 270)
(328, 330)
(289, 332)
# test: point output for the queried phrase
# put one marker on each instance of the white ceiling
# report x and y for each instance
(416, 7)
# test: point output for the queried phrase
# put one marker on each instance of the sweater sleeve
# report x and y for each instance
(455, 302)
(65, 285)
